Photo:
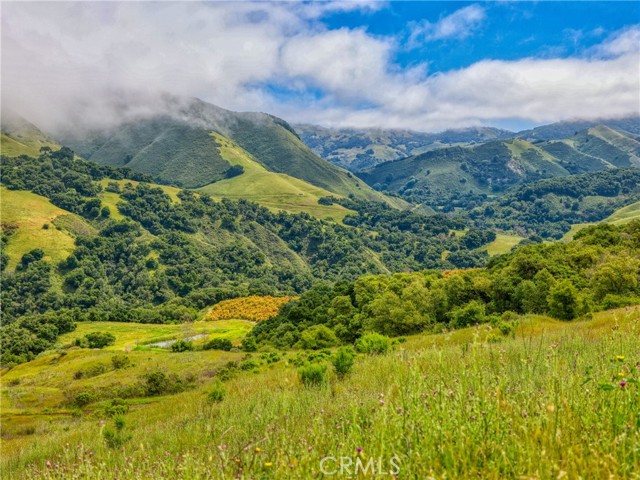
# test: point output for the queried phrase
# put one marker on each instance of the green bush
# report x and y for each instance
(99, 339)
(182, 346)
(317, 337)
(469, 314)
(120, 361)
(84, 398)
(249, 365)
(373, 344)
(117, 407)
(157, 383)
(343, 361)
(249, 344)
(217, 393)
(218, 344)
(115, 437)
(563, 301)
(312, 375)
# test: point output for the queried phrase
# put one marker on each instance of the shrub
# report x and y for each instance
(117, 407)
(469, 314)
(218, 344)
(317, 337)
(84, 398)
(120, 361)
(563, 301)
(217, 394)
(157, 383)
(249, 344)
(99, 339)
(115, 437)
(312, 375)
(343, 361)
(182, 346)
(373, 344)
(249, 365)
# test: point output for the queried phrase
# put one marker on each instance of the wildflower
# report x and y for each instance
(622, 384)
(620, 357)
(359, 450)
(621, 374)
(258, 449)
(268, 464)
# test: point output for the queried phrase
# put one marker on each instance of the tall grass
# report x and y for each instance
(559, 401)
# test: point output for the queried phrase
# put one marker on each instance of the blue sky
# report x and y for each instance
(509, 31)
(415, 65)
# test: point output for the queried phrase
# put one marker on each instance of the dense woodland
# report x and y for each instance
(596, 271)
(548, 208)
(168, 259)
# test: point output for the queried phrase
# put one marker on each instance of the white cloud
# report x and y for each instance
(626, 41)
(94, 61)
(458, 25)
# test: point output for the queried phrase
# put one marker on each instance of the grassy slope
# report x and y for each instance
(502, 244)
(454, 405)
(276, 191)
(619, 217)
(30, 212)
(272, 143)
(19, 137)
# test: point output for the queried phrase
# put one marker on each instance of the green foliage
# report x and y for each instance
(117, 407)
(564, 280)
(218, 344)
(318, 337)
(343, 361)
(563, 301)
(313, 375)
(217, 393)
(182, 346)
(84, 398)
(98, 340)
(120, 361)
(469, 314)
(373, 343)
(548, 208)
(115, 437)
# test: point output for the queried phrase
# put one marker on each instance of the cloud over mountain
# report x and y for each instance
(96, 62)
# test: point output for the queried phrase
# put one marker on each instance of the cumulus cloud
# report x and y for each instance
(458, 25)
(99, 63)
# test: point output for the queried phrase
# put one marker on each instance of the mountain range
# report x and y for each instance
(359, 149)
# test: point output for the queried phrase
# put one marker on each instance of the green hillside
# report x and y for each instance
(463, 177)
(273, 190)
(19, 137)
(30, 221)
(177, 148)
(619, 217)
(357, 149)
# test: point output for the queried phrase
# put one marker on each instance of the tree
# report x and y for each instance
(563, 300)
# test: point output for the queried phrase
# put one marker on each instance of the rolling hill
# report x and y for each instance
(176, 147)
(20, 137)
(442, 177)
(357, 149)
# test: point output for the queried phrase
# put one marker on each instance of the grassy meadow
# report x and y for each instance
(556, 400)
(30, 213)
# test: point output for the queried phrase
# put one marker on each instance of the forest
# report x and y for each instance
(166, 260)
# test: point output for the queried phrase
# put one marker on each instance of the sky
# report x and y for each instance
(425, 66)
